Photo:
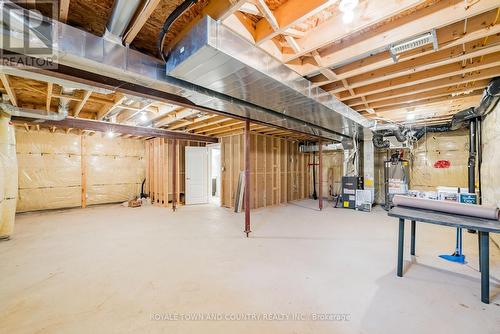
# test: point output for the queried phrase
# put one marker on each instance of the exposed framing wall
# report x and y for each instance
(159, 169)
(279, 172)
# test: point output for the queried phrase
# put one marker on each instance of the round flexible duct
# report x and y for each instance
(379, 142)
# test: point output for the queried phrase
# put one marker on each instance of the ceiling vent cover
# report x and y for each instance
(414, 43)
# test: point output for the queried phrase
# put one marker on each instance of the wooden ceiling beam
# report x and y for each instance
(139, 21)
(440, 92)
(439, 15)
(292, 43)
(208, 130)
(250, 8)
(436, 59)
(107, 109)
(10, 91)
(268, 14)
(382, 110)
(213, 120)
(48, 99)
(286, 16)
(94, 125)
(63, 10)
(335, 29)
(450, 81)
(161, 113)
(441, 72)
(231, 128)
(216, 9)
(185, 123)
(476, 28)
(456, 90)
(175, 116)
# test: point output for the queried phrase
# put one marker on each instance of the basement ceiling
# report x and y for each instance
(350, 60)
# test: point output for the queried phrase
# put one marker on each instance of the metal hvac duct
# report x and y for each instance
(378, 137)
(214, 57)
(123, 12)
(83, 51)
(489, 100)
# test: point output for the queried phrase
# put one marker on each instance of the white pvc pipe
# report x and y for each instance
(472, 210)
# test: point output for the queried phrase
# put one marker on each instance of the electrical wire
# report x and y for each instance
(178, 12)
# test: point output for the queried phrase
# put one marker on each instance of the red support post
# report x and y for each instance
(320, 172)
(174, 175)
(247, 178)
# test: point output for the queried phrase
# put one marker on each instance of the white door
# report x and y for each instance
(196, 175)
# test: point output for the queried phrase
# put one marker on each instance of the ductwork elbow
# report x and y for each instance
(489, 101)
(400, 137)
(490, 98)
(122, 14)
(38, 114)
(379, 142)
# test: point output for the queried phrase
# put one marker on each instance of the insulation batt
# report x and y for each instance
(8, 177)
(472, 210)
(50, 169)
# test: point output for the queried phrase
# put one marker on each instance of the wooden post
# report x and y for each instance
(83, 162)
(247, 177)
(174, 175)
(320, 171)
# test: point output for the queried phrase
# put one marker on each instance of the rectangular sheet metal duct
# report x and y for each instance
(214, 57)
(83, 51)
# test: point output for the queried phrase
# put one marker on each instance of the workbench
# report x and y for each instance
(483, 226)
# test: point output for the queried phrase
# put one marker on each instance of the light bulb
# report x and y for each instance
(110, 134)
(348, 17)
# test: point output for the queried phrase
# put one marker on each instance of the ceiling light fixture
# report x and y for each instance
(144, 117)
(347, 8)
(110, 134)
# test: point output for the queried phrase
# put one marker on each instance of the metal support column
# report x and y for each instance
(401, 240)
(320, 176)
(174, 175)
(247, 178)
(413, 232)
(485, 266)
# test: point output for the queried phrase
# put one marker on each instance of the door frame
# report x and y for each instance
(210, 147)
(207, 174)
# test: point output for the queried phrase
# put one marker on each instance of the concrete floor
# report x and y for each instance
(112, 269)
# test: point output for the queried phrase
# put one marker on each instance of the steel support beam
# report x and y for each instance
(89, 124)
